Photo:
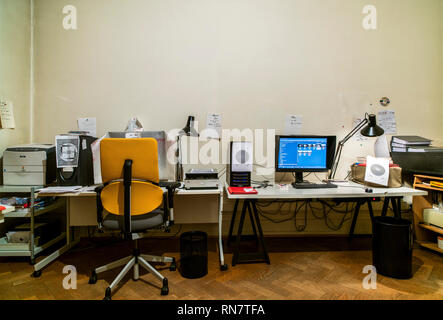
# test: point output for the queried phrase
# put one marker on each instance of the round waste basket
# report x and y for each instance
(392, 247)
(193, 254)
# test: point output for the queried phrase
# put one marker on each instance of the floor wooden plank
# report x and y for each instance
(296, 272)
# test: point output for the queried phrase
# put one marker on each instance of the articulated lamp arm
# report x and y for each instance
(338, 152)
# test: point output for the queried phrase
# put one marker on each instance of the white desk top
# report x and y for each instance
(345, 190)
(93, 194)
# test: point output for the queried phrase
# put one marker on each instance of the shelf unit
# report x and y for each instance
(32, 248)
(426, 235)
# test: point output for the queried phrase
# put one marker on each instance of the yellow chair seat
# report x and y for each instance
(145, 197)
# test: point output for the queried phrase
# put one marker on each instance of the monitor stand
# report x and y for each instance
(300, 184)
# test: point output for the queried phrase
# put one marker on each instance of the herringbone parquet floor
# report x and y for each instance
(300, 269)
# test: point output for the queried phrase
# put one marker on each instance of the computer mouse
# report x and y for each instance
(369, 190)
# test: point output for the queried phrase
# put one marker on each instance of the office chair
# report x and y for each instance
(133, 197)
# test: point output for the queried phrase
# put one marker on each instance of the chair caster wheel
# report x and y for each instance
(173, 266)
(93, 278)
(107, 294)
(224, 267)
(165, 288)
(37, 274)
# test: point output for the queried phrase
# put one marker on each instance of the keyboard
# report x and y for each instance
(307, 185)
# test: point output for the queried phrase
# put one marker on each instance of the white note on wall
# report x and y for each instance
(293, 124)
(213, 126)
(386, 120)
(6, 115)
(89, 125)
(358, 136)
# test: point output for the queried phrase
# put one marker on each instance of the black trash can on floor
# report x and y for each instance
(392, 247)
(193, 254)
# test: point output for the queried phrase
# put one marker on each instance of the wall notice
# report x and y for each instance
(386, 120)
(6, 115)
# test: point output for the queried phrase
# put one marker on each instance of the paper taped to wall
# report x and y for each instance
(213, 126)
(6, 115)
(293, 124)
(386, 120)
(88, 125)
(358, 136)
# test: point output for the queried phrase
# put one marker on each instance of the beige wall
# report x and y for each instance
(441, 59)
(15, 44)
(253, 61)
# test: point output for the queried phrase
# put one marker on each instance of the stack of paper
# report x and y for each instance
(69, 189)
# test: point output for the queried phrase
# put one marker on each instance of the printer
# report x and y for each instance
(29, 165)
(197, 179)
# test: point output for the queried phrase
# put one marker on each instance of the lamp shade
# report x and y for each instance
(372, 129)
(189, 129)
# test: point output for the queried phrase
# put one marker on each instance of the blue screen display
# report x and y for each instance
(302, 153)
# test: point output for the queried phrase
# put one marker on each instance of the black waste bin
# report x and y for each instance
(193, 254)
(392, 247)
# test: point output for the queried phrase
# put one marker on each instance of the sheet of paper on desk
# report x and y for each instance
(377, 170)
(69, 189)
(213, 126)
(293, 124)
(88, 124)
(6, 115)
(386, 120)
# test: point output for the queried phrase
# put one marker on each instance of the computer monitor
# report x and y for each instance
(300, 154)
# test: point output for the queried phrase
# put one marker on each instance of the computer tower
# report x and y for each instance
(74, 160)
(240, 164)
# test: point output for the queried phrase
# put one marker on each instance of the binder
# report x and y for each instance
(241, 190)
(410, 141)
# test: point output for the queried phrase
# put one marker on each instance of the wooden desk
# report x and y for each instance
(81, 211)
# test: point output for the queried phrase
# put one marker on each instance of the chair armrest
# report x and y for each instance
(170, 186)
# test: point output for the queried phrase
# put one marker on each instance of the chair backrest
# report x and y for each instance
(142, 151)
(145, 196)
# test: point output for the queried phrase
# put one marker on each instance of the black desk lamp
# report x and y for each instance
(189, 131)
(368, 128)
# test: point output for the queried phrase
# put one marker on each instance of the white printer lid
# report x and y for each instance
(30, 147)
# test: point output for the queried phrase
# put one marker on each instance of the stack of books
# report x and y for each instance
(412, 144)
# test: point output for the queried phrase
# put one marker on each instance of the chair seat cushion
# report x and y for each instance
(138, 223)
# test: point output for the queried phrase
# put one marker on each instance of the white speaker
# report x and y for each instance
(241, 156)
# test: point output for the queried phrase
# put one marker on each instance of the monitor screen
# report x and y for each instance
(304, 153)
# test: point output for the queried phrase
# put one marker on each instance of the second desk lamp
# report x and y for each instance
(368, 127)
(189, 131)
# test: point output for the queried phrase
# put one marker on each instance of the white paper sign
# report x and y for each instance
(7, 115)
(377, 170)
(293, 124)
(386, 120)
(67, 151)
(88, 124)
(214, 126)
(358, 136)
